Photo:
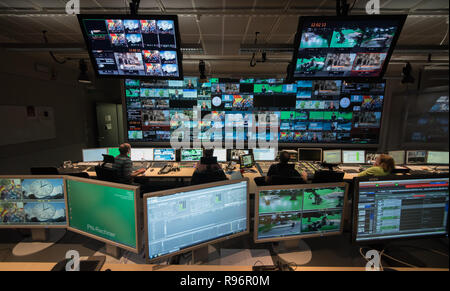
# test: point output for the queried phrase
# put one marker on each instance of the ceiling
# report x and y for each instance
(222, 27)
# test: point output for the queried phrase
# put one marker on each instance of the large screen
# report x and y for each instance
(94, 155)
(32, 202)
(105, 211)
(345, 47)
(285, 212)
(388, 208)
(144, 46)
(182, 219)
(320, 111)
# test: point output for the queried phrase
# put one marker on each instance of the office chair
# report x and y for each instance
(80, 174)
(328, 177)
(106, 174)
(44, 171)
(278, 180)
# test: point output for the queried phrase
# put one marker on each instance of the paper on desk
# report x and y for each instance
(245, 257)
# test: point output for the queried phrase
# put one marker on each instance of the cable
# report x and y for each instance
(446, 34)
(44, 32)
(353, 5)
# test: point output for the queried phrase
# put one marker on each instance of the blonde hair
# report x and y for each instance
(387, 163)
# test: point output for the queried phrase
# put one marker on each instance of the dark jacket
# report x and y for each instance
(208, 174)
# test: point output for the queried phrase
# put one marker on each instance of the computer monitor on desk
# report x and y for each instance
(310, 154)
(186, 219)
(113, 152)
(264, 154)
(191, 155)
(398, 156)
(141, 154)
(235, 154)
(416, 157)
(437, 158)
(332, 156)
(353, 157)
(389, 208)
(94, 155)
(247, 161)
(164, 155)
(220, 154)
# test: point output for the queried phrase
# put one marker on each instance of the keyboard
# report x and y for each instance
(188, 164)
(87, 164)
(159, 164)
(140, 165)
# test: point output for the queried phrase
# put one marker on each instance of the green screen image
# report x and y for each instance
(346, 38)
(113, 152)
(259, 88)
(345, 115)
(287, 115)
(323, 198)
(278, 224)
(316, 115)
(103, 211)
(328, 115)
(280, 201)
(321, 221)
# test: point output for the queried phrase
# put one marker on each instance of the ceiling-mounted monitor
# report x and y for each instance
(345, 47)
(138, 46)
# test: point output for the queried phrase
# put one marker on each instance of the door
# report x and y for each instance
(108, 125)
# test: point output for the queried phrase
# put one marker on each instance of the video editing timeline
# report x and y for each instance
(341, 48)
(94, 155)
(132, 47)
(319, 111)
(164, 155)
(181, 220)
(402, 208)
(32, 202)
(294, 212)
(190, 155)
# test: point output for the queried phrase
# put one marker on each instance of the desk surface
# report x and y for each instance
(209, 268)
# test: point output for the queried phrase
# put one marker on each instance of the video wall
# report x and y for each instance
(308, 111)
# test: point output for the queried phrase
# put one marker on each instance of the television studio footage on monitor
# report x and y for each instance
(264, 154)
(398, 156)
(332, 156)
(235, 155)
(246, 161)
(357, 46)
(310, 154)
(388, 208)
(32, 202)
(141, 154)
(105, 211)
(133, 46)
(191, 155)
(185, 219)
(437, 158)
(299, 211)
(416, 157)
(164, 155)
(353, 157)
(94, 155)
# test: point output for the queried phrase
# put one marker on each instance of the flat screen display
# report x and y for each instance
(416, 157)
(398, 156)
(345, 47)
(94, 155)
(313, 155)
(106, 211)
(144, 46)
(353, 157)
(268, 154)
(332, 156)
(32, 202)
(318, 112)
(312, 210)
(189, 155)
(435, 157)
(189, 217)
(164, 155)
(220, 154)
(141, 154)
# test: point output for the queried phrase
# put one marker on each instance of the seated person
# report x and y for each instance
(208, 170)
(123, 165)
(284, 169)
(383, 166)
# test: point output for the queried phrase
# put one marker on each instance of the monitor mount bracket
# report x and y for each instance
(134, 7)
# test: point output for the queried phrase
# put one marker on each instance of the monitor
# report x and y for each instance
(184, 219)
(189, 155)
(332, 156)
(141, 154)
(133, 46)
(308, 154)
(94, 155)
(264, 154)
(371, 157)
(416, 157)
(113, 152)
(104, 211)
(247, 161)
(388, 208)
(220, 154)
(299, 211)
(437, 158)
(356, 46)
(353, 157)
(164, 155)
(398, 156)
(235, 154)
(32, 202)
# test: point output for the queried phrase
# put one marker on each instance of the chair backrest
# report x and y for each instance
(44, 171)
(328, 177)
(106, 174)
(80, 174)
(283, 180)
(208, 177)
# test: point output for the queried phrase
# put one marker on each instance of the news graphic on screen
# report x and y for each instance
(189, 155)
(299, 211)
(439, 158)
(94, 155)
(400, 208)
(164, 155)
(188, 217)
(139, 46)
(314, 111)
(104, 211)
(345, 47)
(32, 202)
